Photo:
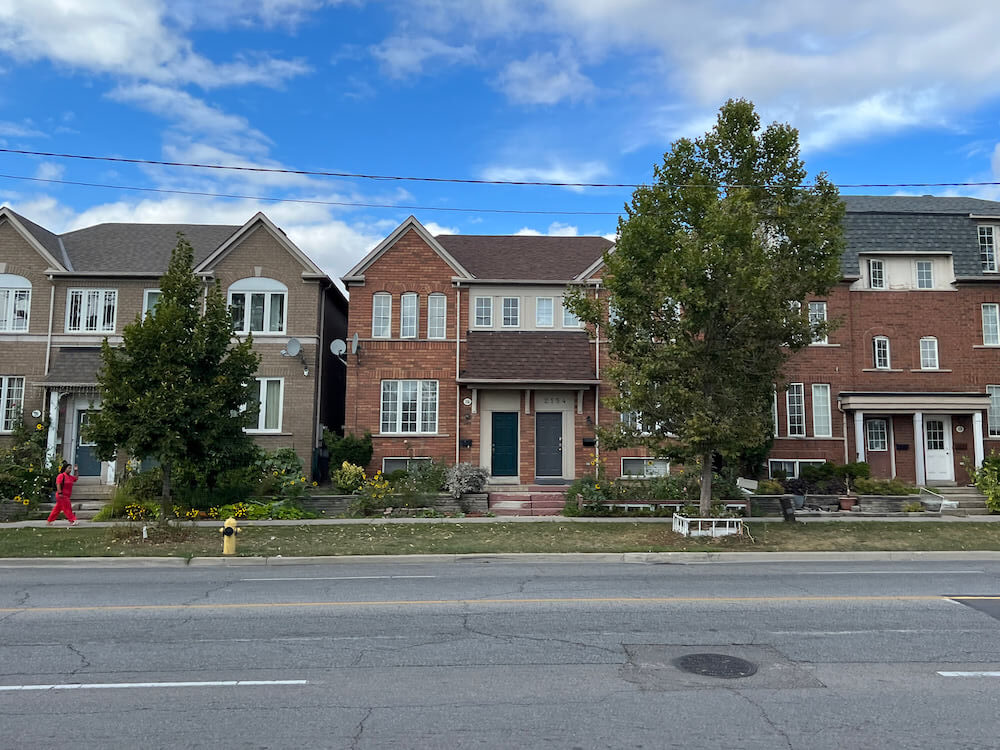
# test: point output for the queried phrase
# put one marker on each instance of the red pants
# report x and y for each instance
(63, 505)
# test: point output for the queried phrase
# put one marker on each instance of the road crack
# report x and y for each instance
(356, 739)
(84, 661)
(767, 719)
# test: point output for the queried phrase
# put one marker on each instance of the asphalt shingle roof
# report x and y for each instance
(514, 257)
(139, 248)
(74, 365)
(528, 356)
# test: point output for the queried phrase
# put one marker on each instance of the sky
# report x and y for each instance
(573, 91)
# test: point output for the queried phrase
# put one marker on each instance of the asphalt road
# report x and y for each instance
(487, 654)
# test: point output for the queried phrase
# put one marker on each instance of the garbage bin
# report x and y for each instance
(788, 508)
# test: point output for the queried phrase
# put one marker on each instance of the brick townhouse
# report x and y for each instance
(467, 354)
(61, 295)
(910, 379)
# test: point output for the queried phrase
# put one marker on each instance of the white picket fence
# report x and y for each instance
(707, 526)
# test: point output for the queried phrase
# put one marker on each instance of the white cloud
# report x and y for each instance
(556, 229)
(25, 129)
(435, 229)
(401, 56)
(128, 38)
(554, 171)
(544, 78)
(48, 170)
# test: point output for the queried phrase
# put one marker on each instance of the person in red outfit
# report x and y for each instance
(64, 491)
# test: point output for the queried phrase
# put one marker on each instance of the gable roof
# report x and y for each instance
(524, 257)
(259, 220)
(358, 272)
(45, 242)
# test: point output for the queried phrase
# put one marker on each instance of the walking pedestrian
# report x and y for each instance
(64, 493)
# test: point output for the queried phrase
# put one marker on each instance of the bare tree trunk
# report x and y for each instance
(166, 506)
(705, 506)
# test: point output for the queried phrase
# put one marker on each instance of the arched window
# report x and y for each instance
(258, 305)
(15, 303)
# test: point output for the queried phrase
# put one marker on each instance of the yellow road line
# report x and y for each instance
(472, 602)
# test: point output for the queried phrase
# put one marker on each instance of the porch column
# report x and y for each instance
(977, 438)
(918, 447)
(859, 435)
(51, 441)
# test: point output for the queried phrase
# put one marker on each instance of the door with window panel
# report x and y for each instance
(939, 462)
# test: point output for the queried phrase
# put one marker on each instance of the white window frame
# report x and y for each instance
(774, 410)
(510, 312)
(797, 464)
(487, 309)
(425, 420)
(987, 248)
(822, 411)
(407, 459)
(409, 314)
(11, 402)
(272, 290)
(991, 324)
(15, 297)
(146, 306)
(877, 362)
(569, 318)
(651, 467)
(817, 314)
(876, 264)
(381, 315)
(437, 316)
(262, 403)
(928, 266)
(87, 298)
(880, 439)
(540, 322)
(993, 412)
(929, 353)
(800, 424)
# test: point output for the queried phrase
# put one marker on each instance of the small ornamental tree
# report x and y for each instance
(179, 387)
(706, 287)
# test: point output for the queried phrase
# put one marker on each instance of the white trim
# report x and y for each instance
(798, 465)
(475, 313)
(788, 409)
(828, 431)
(85, 298)
(916, 273)
(869, 421)
(444, 316)
(516, 310)
(995, 323)
(388, 316)
(875, 353)
(552, 312)
(566, 311)
(419, 415)
(824, 339)
(54, 265)
(262, 413)
(878, 263)
(16, 407)
(270, 289)
(145, 299)
(357, 273)
(408, 459)
(11, 286)
(647, 461)
(934, 350)
(311, 269)
(993, 411)
(414, 298)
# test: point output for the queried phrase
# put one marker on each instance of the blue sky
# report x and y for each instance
(551, 90)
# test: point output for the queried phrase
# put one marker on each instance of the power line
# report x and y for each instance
(306, 200)
(457, 180)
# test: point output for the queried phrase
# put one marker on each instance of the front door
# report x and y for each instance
(86, 459)
(940, 464)
(504, 444)
(548, 444)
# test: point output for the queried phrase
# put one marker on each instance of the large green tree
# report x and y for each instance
(179, 388)
(706, 286)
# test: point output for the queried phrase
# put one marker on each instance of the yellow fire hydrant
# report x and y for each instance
(229, 532)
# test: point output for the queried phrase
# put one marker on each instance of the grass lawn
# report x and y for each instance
(402, 539)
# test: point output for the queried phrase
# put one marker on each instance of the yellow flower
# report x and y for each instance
(275, 473)
(38, 427)
(315, 484)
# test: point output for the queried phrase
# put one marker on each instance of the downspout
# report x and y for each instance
(843, 415)
(317, 436)
(52, 304)
(597, 372)
(458, 387)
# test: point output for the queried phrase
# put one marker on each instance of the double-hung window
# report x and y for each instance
(991, 324)
(381, 315)
(877, 431)
(928, 353)
(484, 312)
(796, 408)
(880, 353)
(409, 406)
(876, 274)
(91, 310)
(408, 304)
(817, 316)
(645, 468)
(11, 401)
(570, 320)
(15, 303)
(987, 249)
(150, 299)
(511, 312)
(925, 274)
(993, 414)
(268, 394)
(258, 305)
(822, 422)
(437, 315)
(543, 312)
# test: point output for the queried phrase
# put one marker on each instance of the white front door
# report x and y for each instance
(940, 464)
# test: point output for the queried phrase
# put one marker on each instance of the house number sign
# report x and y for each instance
(555, 401)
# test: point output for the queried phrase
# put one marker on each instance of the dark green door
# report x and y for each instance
(504, 444)
(86, 458)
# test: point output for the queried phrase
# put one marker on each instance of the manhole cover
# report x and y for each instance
(716, 665)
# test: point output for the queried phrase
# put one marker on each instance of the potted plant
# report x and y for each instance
(849, 473)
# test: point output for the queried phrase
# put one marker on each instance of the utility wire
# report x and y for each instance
(456, 180)
(306, 200)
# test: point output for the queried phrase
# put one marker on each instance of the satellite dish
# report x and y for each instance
(354, 344)
(338, 347)
(292, 348)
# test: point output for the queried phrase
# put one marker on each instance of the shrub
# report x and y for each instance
(465, 478)
(914, 507)
(25, 473)
(987, 480)
(769, 487)
(883, 487)
(372, 496)
(348, 478)
(351, 448)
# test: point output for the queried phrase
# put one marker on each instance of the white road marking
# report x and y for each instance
(334, 578)
(969, 674)
(885, 572)
(116, 685)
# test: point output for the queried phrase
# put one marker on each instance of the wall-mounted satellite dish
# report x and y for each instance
(354, 344)
(338, 347)
(292, 348)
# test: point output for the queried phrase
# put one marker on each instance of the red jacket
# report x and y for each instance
(64, 485)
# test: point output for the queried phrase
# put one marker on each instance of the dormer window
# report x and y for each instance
(987, 249)
(876, 274)
(925, 274)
